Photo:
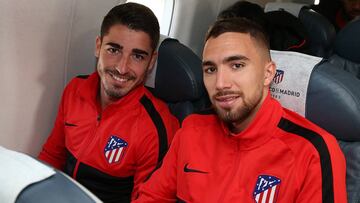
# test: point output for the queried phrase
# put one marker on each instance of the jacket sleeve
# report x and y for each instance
(148, 150)
(54, 151)
(161, 187)
(323, 185)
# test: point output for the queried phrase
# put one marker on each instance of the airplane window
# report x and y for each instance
(163, 10)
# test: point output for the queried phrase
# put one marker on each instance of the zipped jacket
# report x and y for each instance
(110, 151)
(280, 157)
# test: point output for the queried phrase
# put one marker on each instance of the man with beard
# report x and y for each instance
(252, 149)
(111, 132)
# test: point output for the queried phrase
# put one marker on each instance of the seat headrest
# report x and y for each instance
(291, 81)
(333, 101)
(293, 8)
(178, 69)
(317, 89)
(320, 31)
(347, 42)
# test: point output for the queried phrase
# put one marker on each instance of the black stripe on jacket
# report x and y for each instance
(160, 127)
(318, 142)
(108, 188)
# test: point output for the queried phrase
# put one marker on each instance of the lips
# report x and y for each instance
(226, 101)
(119, 79)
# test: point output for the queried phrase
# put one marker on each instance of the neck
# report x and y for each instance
(104, 99)
(240, 125)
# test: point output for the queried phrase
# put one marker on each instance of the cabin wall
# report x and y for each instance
(42, 45)
(191, 20)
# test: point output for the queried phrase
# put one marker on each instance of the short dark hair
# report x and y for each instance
(136, 17)
(240, 25)
(247, 10)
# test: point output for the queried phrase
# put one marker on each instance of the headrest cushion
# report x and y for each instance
(178, 69)
(333, 101)
(347, 42)
(322, 31)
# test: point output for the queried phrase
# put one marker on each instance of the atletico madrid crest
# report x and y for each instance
(266, 189)
(115, 149)
(279, 76)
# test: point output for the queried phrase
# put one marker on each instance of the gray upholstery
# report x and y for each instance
(55, 189)
(346, 58)
(347, 42)
(321, 32)
(346, 48)
(352, 153)
(178, 79)
(333, 102)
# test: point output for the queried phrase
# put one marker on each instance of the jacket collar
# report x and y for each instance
(90, 88)
(261, 128)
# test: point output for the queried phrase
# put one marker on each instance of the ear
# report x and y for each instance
(97, 46)
(270, 70)
(152, 61)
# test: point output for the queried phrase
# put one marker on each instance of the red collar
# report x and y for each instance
(261, 129)
(90, 88)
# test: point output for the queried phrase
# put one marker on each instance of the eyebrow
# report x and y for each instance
(235, 58)
(136, 51)
(140, 51)
(226, 60)
(208, 63)
(117, 46)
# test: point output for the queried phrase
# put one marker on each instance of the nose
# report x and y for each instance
(122, 66)
(223, 79)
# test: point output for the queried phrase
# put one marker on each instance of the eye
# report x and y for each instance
(210, 69)
(113, 50)
(138, 57)
(237, 65)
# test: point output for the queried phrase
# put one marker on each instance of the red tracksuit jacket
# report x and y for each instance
(111, 151)
(280, 157)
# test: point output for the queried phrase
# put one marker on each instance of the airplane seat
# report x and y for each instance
(347, 48)
(27, 180)
(331, 100)
(334, 104)
(320, 32)
(177, 79)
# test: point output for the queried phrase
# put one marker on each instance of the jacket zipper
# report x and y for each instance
(233, 172)
(98, 119)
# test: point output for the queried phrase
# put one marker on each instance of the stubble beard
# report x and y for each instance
(241, 113)
(113, 91)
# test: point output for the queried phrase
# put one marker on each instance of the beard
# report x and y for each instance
(113, 90)
(240, 113)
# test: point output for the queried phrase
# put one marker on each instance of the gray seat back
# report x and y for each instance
(178, 79)
(320, 31)
(334, 104)
(347, 48)
(332, 101)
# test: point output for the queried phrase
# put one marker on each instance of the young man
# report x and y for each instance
(251, 149)
(111, 132)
